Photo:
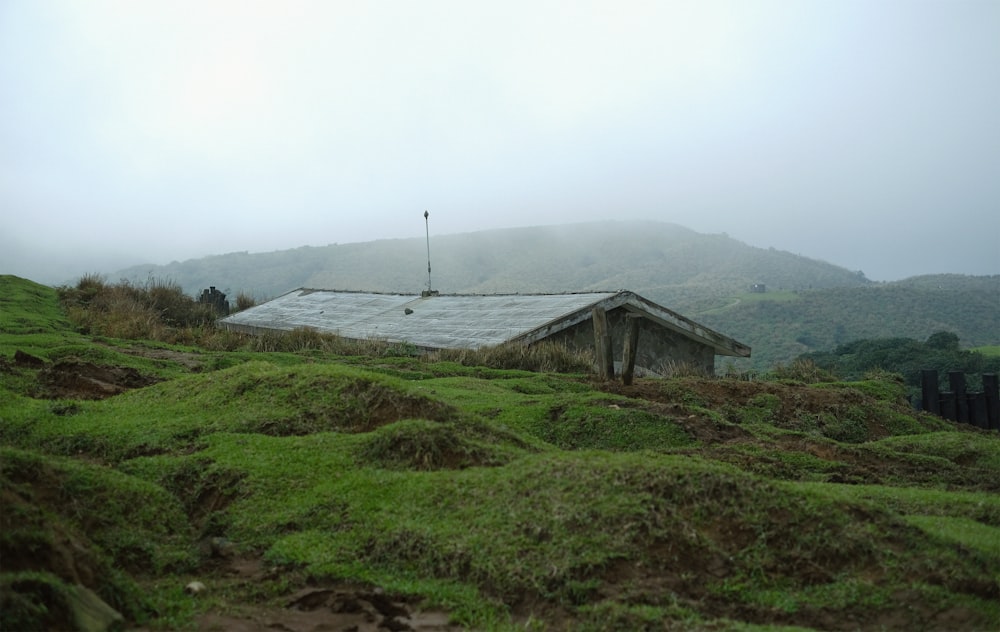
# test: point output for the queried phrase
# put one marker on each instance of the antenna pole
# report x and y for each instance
(428, 230)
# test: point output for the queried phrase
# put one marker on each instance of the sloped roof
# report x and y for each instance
(455, 321)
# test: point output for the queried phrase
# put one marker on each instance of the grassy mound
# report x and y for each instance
(68, 525)
(505, 499)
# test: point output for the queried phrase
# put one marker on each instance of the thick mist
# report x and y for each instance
(859, 133)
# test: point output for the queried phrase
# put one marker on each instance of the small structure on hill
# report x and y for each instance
(453, 321)
(216, 299)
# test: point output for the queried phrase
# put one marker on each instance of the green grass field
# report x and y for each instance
(506, 498)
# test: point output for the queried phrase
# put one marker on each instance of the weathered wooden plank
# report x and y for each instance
(977, 410)
(958, 404)
(602, 344)
(631, 347)
(930, 397)
(956, 379)
(991, 388)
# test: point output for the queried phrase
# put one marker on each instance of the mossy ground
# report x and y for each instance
(507, 498)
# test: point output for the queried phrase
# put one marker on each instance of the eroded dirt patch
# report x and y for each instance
(335, 607)
(190, 361)
(77, 379)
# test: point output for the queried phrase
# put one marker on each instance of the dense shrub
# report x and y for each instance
(904, 356)
(244, 301)
(157, 310)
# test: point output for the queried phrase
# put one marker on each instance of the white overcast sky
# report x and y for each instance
(862, 132)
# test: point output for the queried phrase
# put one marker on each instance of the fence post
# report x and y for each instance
(991, 389)
(930, 398)
(977, 410)
(956, 379)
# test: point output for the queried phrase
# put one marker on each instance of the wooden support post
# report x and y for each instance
(930, 398)
(602, 345)
(948, 407)
(956, 379)
(977, 410)
(991, 388)
(630, 348)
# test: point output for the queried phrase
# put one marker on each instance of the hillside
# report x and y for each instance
(809, 306)
(654, 258)
(780, 326)
(307, 491)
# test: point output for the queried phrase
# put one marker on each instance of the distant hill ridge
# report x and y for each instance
(809, 305)
(641, 256)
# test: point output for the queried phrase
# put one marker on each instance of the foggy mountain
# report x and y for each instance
(664, 262)
(808, 305)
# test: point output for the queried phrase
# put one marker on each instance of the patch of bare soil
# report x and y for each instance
(337, 607)
(77, 379)
(191, 361)
(379, 406)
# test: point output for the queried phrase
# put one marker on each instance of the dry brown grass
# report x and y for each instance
(542, 357)
(156, 310)
(243, 302)
(801, 370)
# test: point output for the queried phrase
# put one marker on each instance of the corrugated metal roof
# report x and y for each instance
(457, 321)
(443, 321)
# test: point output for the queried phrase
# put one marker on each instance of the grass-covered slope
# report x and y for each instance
(780, 326)
(309, 488)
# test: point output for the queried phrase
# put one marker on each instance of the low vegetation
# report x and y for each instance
(780, 330)
(941, 352)
(299, 479)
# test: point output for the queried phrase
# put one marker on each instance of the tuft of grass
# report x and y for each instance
(675, 369)
(244, 301)
(802, 370)
(540, 357)
(423, 445)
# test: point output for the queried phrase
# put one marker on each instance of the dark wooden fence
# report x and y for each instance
(979, 409)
